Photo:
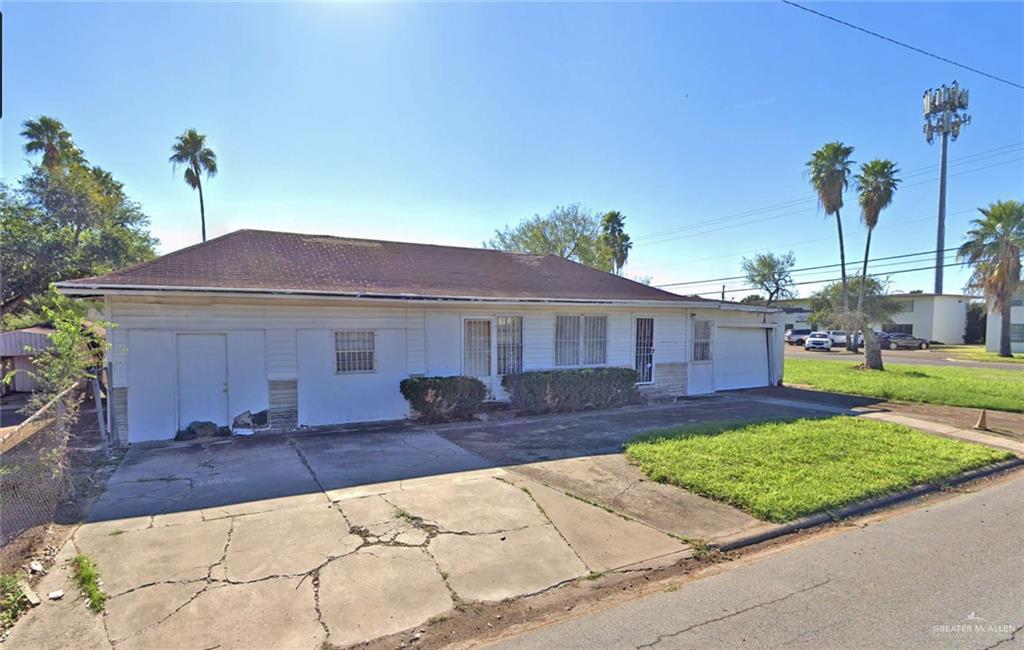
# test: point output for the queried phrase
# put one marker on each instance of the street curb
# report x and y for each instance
(867, 505)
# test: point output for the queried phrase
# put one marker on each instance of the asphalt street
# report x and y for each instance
(909, 357)
(949, 575)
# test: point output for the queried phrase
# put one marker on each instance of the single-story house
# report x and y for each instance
(994, 323)
(319, 330)
(17, 349)
(932, 317)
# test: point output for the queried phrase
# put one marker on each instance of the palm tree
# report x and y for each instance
(876, 183)
(190, 149)
(829, 169)
(613, 232)
(993, 248)
(47, 135)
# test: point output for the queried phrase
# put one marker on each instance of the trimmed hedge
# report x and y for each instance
(555, 391)
(443, 399)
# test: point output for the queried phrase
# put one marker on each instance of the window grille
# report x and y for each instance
(510, 345)
(702, 340)
(354, 351)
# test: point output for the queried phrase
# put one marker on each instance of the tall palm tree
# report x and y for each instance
(829, 170)
(190, 149)
(47, 135)
(613, 232)
(993, 247)
(876, 184)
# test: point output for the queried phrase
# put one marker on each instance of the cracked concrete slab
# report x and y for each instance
(380, 590)
(59, 624)
(603, 540)
(285, 542)
(613, 482)
(138, 557)
(497, 566)
(379, 522)
(342, 461)
(133, 612)
(275, 613)
(476, 506)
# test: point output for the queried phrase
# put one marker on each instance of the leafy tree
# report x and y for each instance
(829, 312)
(993, 247)
(571, 232)
(977, 319)
(615, 239)
(190, 150)
(76, 349)
(753, 299)
(772, 274)
(876, 184)
(829, 171)
(48, 136)
(68, 221)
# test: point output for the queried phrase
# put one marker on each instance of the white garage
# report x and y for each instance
(741, 357)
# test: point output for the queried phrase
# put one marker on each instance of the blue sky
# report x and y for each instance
(441, 123)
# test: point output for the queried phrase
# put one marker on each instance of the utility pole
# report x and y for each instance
(945, 114)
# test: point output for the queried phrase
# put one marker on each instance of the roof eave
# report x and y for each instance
(103, 289)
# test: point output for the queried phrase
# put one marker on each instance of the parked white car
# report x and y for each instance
(818, 341)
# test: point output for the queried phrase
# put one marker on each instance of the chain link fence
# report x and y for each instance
(34, 477)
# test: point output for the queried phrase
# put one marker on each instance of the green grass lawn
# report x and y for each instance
(779, 471)
(976, 353)
(1001, 390)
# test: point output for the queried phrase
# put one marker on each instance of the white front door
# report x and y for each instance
(202, 379)
(478, 351)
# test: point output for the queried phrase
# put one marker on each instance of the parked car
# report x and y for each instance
(797, 336)
(896, 341)
(818, 341)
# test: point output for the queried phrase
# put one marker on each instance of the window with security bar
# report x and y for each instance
(510, 345)
(354, 351)
(477, 348)
(702, 340)
(581, 340)
(644, 359)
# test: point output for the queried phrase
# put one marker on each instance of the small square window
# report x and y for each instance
(354, 351)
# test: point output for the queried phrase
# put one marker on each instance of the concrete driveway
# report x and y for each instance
(338, 538)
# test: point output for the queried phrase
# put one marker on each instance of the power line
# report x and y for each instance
(821, 281)
(888, 225)
(906, 45)
(970, 158)
(787, 214)
(874, 271)
(807, 268)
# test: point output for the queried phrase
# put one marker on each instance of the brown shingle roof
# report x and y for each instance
(280, 261)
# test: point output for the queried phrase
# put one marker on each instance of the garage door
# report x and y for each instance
(741, 358)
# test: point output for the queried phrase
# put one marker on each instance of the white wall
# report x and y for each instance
(290, 340)
(247, 373)
(949, 319)
(327, 397)
(992, 329)
(152, 378)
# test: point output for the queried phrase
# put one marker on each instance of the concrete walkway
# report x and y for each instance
(341, 538)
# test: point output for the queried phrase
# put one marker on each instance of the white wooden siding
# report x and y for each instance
(282, 363)
(411, 340)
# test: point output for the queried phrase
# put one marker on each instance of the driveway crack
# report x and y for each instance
(1012, 637)
(669, 635)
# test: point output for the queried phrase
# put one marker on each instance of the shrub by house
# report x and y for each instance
(443, 399)
(555, 391)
